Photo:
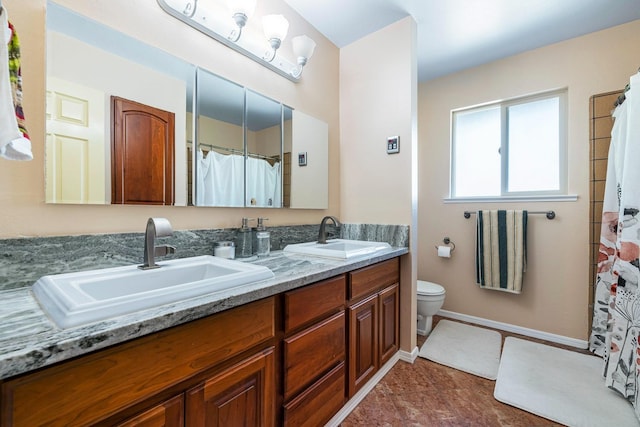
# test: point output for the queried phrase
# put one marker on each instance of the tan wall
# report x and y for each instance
(555, 296)
(266, 141)
(212, 130)
(378, 89)
(23, 211)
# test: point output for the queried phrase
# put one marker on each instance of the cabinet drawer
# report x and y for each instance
(313, 302)
(370, 279)
(316, 405)
(312, 352)
(94, 387)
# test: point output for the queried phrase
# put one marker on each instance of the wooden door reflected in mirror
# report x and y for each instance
(142, 156)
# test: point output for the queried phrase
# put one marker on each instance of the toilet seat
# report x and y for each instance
(429, 288)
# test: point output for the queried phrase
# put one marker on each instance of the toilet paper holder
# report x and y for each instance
(447, 241)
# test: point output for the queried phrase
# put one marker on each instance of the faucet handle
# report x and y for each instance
(164, 250)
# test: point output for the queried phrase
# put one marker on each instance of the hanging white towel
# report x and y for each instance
(7, 31)
(13, 144)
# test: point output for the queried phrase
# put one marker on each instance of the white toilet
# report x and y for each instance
(430, 300)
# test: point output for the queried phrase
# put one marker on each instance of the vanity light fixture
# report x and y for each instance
(275, 30)
(303, 47)
(241, 10)
(208, 17)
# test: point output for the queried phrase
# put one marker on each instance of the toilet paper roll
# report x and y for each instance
(444, 251)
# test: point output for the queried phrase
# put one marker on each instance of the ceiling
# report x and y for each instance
(457, 34)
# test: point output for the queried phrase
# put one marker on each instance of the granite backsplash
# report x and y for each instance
(25, 260)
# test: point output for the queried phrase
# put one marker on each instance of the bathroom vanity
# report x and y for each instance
(290, 352)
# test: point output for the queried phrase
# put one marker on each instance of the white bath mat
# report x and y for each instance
(561, 385)
(464, 347)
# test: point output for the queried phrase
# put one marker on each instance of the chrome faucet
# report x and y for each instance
(322, 234)
(156, 227)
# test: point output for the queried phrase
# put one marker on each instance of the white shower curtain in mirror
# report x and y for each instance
(220, 179)
(264, 183)
(615, 330)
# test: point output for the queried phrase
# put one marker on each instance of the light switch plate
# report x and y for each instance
(302, 158)
(393, 144)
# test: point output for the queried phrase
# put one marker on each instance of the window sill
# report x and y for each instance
(550, 198)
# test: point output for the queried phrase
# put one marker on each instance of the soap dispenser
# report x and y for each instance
(263, 239)
(245, 244)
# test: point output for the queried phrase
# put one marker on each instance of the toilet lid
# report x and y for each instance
(429, 288)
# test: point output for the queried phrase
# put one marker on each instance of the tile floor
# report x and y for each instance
(428, 394)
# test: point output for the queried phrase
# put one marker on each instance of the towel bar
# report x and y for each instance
(549, 214)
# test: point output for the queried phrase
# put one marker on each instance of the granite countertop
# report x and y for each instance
(29, 340)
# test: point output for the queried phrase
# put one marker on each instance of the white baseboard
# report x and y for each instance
(411, 357)
(362, 393)
(533, 333)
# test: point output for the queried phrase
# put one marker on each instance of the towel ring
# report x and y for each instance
(447, 241)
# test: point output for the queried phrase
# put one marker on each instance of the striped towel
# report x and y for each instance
(501, 249)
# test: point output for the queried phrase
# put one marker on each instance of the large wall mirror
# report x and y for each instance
(239, 139)
(238, 148)
(219, 150)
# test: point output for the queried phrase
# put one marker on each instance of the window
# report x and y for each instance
(510, 148)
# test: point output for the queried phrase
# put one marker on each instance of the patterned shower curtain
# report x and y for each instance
(615, 332)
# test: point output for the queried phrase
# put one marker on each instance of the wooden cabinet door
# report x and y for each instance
(242, 395)
(142, 154)
(363, 342)
(389, 323)
(166, 414)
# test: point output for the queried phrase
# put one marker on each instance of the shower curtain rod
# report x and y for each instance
(549, 214)
(239, 152)
(622, 96)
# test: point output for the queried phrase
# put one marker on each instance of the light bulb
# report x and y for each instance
(275, 27)
(303, 47)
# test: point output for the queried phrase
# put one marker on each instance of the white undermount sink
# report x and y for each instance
(73, 299)
(337, 248)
